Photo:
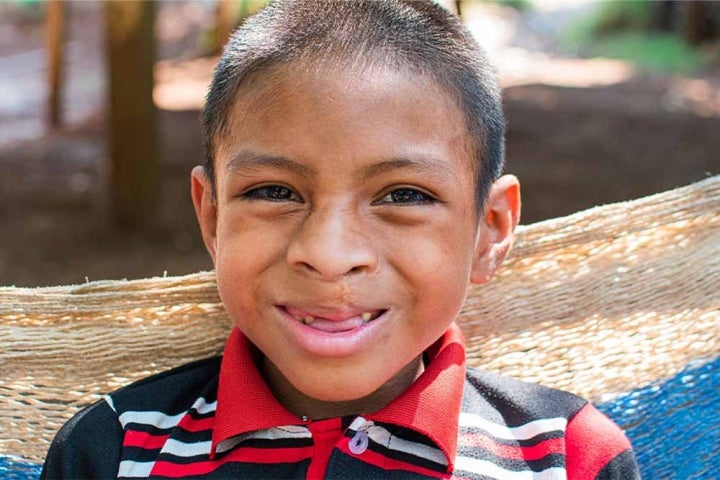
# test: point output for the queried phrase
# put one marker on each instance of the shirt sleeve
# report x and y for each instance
(598, 449)
(88, 446)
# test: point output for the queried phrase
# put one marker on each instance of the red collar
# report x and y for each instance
(430, 406)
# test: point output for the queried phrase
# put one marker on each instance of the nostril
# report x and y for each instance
(308, 267)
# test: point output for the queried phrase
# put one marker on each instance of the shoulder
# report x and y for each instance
(594, 447)
(87, 446)
(172, 391)
(514, 402)
(90, 444)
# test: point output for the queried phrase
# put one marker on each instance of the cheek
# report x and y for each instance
(244, 257)
(438, 263)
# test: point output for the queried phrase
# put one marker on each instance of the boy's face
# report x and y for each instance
(345, 231)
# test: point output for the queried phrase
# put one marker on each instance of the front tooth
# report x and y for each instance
(308, 319)
(366, 316)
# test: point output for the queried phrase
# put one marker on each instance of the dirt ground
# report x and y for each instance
(572, 148)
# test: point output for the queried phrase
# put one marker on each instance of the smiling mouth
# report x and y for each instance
(333, 323)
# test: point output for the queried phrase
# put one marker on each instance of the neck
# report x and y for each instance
(305, 406)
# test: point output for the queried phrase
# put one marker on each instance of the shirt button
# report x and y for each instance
(359, 442)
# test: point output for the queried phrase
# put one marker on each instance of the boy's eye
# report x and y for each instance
(273, 193)
(407, 196)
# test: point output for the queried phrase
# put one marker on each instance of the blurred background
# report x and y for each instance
(99, 118)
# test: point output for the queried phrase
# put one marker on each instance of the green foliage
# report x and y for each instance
(519, 5)
(607, 18)
(623, 30)
(664, 53)
(625, 16)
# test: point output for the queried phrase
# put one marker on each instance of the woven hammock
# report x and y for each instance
(620, 304)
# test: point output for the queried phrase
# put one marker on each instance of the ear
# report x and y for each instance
(205, 208)
(496, 230)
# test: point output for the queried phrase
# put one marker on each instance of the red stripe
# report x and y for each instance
(513, 452)
(379, 460)
(245, 455)
(592, 441)
(190, 424)
(134, 438)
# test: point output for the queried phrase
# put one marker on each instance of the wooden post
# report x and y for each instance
(54, 23)
(132, 116)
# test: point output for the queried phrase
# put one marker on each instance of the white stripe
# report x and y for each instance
(182, 449)
(202, 407)
(275, 433)
(131, 469)
(522, 432)
(156, 419)
(162, 420)
(383, 437)
(108, 399)
(488, 469)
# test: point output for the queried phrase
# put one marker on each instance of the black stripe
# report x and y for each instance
(271, 443)
(256, 471)
(138, 454)
(186, 436)
(344, 467)
(408, 434)
(178, 460)
(277, 442)
(152, 429)
(623, 466)
(200, 416)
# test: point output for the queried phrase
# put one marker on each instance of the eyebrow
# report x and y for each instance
(247, 161)
(428, 166)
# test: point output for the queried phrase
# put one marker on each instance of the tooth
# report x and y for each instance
(366, 316)
(307, 320)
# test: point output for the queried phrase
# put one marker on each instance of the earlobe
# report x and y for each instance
(497, 228)
(205, 208)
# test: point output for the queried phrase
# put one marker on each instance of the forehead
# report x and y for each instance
(346, 111)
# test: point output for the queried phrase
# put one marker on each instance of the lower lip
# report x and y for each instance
(331, 344)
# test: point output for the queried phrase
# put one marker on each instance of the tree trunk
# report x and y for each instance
(132, 123)
(55, 31)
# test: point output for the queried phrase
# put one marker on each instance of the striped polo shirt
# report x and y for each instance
(217, 418)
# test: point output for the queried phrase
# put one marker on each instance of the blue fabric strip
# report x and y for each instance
(674, 425)
(13, 468)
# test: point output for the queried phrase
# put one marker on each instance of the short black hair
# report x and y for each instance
(416, 35)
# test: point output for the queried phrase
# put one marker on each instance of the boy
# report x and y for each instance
(351, 190)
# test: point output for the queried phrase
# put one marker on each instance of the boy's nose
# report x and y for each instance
(331, 245)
